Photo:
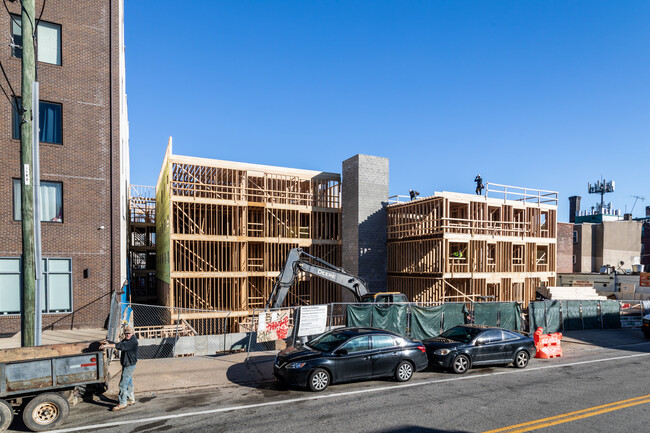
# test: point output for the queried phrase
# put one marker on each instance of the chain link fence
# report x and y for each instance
(165, 332)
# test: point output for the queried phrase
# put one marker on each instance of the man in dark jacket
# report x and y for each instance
(129, 357)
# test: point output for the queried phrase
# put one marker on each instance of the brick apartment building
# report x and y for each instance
(84, 162)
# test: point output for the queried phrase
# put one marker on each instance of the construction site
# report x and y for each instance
(209, 241)
(464, 247)
(224, 229)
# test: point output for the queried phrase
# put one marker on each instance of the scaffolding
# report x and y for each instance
(463, 247)
(224, 230)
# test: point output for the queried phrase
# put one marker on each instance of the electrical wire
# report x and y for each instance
(10, 14)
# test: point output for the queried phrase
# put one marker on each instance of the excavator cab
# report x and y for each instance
(384, 298)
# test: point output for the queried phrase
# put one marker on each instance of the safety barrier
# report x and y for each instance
(548, 345)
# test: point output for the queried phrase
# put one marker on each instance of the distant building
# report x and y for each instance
(565, 256)
(604, 238)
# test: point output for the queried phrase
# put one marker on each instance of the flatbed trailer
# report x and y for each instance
(40, 382)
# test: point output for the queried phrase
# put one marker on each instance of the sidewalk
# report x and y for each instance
(206, 372)
(211, 372)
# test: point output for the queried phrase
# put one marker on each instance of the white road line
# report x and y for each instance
(340, 394)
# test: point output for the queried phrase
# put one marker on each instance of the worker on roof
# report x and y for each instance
(479, 184)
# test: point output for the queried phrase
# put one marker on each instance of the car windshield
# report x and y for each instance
(328, 342)
(461, 333)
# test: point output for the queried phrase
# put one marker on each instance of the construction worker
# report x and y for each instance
(457, 254)
(479, 184)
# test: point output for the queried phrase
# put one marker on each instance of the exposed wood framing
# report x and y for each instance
(230, 229)
(461, 246)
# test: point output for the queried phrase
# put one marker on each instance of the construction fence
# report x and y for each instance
(171, 332)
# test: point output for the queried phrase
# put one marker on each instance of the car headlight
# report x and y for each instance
(442, 352)
(295, 365)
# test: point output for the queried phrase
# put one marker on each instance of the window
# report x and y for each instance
(358, 344)
(574, 259)
(491, 336)
(575, 237)
(9, 285)
(382, 341)
(56, 294)
(49, 122)
(48, 37)
(51, 201)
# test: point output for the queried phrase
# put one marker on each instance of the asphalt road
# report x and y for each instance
(595, 390)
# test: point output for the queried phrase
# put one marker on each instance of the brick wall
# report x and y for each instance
(564, 248)
(87, 163)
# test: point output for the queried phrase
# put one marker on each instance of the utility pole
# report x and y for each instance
(28, 315)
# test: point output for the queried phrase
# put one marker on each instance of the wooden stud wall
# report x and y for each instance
(505, 249)
(232, 229)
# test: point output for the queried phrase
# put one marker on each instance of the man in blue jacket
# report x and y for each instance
(128, 358)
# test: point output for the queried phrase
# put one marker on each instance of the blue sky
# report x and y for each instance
(538, 94)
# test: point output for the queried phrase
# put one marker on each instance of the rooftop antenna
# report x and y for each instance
(601, 187)
(636, 197)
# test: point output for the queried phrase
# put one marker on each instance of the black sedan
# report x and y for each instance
(349, 354)
(462, 347)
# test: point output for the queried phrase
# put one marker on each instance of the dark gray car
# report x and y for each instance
(350, 354)
(463, 347)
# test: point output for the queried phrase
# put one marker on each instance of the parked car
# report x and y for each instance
(645, 327)
(462, 347)
(350, 354)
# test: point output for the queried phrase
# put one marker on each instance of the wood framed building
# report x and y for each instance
(224, 230)
(460, 247)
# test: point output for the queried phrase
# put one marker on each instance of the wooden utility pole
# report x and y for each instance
(28, 315)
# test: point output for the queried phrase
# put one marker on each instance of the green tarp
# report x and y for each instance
(426, 322)
(359, 315)
(510, 315)
(454, 314)
(502, 314)
(391, 318)
(486, 314)
(611, 314)
(544, 314)
(571, 315)
(590, 318)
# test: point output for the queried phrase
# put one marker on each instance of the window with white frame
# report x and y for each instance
(575, 237)
(51, 201)
(56, 292)
(9, 285)
(56, 296)
(48, 39)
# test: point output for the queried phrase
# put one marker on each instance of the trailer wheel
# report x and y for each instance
(45, 411)
(6, 415)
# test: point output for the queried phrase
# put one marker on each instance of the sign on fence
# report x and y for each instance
(644, 279)
(273, 325)
(313, 320)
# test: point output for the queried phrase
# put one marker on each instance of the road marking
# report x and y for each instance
(340, 394)
(572, 416)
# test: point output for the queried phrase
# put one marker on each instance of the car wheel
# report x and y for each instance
(404, 371)
(318, 380)
(45, 412)
(647, 335)
(521, 359)
(460, 364)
